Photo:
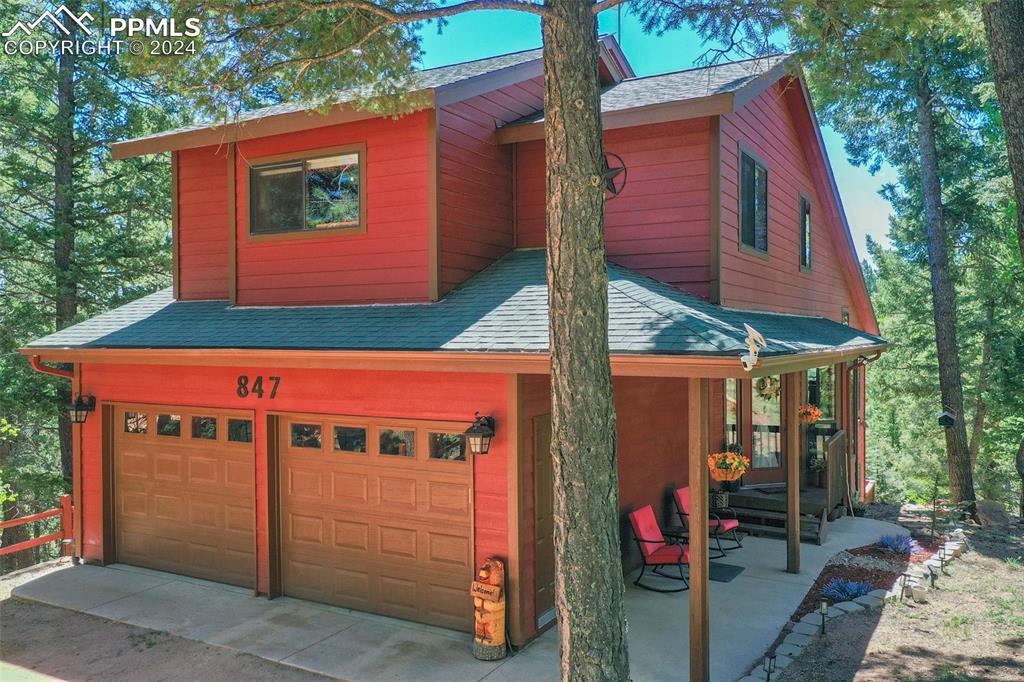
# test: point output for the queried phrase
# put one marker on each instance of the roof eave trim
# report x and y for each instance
(488, 82)
(712, 105)
(237, 131)
(634, 364)
(798, 362)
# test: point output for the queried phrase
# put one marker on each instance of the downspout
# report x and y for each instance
(76, 484)
(38, 366)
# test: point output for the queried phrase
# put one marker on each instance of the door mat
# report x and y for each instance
(723, 573)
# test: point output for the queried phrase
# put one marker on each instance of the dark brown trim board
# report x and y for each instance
(107, 477)
(514, 574)
(232, 226)
(433, 206)
(272, 512)
(175, 230)
(715, 205)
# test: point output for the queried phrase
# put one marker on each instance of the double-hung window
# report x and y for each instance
(321, 192)
(753, 203)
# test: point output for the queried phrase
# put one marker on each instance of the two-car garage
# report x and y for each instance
(371, 514)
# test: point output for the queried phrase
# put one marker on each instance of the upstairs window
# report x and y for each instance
(753, 204)
(322, 192)
(805, 233)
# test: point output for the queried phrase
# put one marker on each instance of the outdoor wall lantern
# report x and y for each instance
(479, 435)
(947, 418)
(823, 610)
(768, 666)
(79, 410)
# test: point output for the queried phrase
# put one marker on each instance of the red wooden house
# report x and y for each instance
(349, 290)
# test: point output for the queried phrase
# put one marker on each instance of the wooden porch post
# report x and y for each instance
(697, 424)
(793, 394)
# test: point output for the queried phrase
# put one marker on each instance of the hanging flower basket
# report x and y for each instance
(768, 388)
(809, 414)
(727, 466)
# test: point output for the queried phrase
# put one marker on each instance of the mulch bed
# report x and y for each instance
(928, 548)
(878, 578)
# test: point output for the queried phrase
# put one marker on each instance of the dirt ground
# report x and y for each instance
(971, 628)
(91, 648)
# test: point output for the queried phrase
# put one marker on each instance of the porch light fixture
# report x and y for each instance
(823, 610)
(479, 435)
(78, 411)
(768, 666)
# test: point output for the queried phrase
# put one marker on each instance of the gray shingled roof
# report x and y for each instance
(502, 309)
(679, 85)
(419, 80)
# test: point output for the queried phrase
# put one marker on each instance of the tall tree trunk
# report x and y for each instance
(64, 225)
(1004, 27)
(980, 406)
(961, 483)
(588, 583)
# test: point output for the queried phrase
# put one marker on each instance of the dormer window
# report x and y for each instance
(315, 192)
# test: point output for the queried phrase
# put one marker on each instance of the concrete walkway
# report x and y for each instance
(747, 613)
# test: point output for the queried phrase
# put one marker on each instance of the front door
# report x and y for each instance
(764, 442)
(544, 501)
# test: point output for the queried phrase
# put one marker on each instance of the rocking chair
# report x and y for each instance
(717, 525)
(657, 550)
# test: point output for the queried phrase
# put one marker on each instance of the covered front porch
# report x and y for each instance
(359, 646)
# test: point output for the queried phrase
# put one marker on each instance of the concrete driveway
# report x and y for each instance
(747, 612)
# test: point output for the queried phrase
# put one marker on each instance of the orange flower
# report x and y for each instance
(727, 466)
(809, 414)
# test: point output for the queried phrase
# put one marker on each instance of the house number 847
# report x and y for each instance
(244, 389)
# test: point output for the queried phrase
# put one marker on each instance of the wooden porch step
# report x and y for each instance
(773, 523)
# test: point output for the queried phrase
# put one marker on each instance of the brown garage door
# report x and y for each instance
(184, 491)
(376, 515)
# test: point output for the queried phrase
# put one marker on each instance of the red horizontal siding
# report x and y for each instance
(767, 127)
(660, 225)
(475, 211)
(423, 395)
(389, 263)
(203, 230)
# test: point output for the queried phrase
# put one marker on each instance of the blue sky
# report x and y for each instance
(484, 34)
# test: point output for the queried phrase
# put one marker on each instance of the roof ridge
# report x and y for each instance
(478, 59)
(706, 68)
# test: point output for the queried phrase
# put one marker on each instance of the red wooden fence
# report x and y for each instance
(63, 535)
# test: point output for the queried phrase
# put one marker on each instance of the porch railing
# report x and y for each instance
(836, 475)
(63, 535)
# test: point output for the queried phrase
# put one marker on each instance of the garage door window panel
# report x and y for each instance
(204, 428)
(309, 436)
(168, 425)
(448, 447)
(350, 439)
(136, 422)
(397, 443)
(240, 430)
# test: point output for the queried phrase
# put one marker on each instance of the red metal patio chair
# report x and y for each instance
(657, 550)
(717, 526)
